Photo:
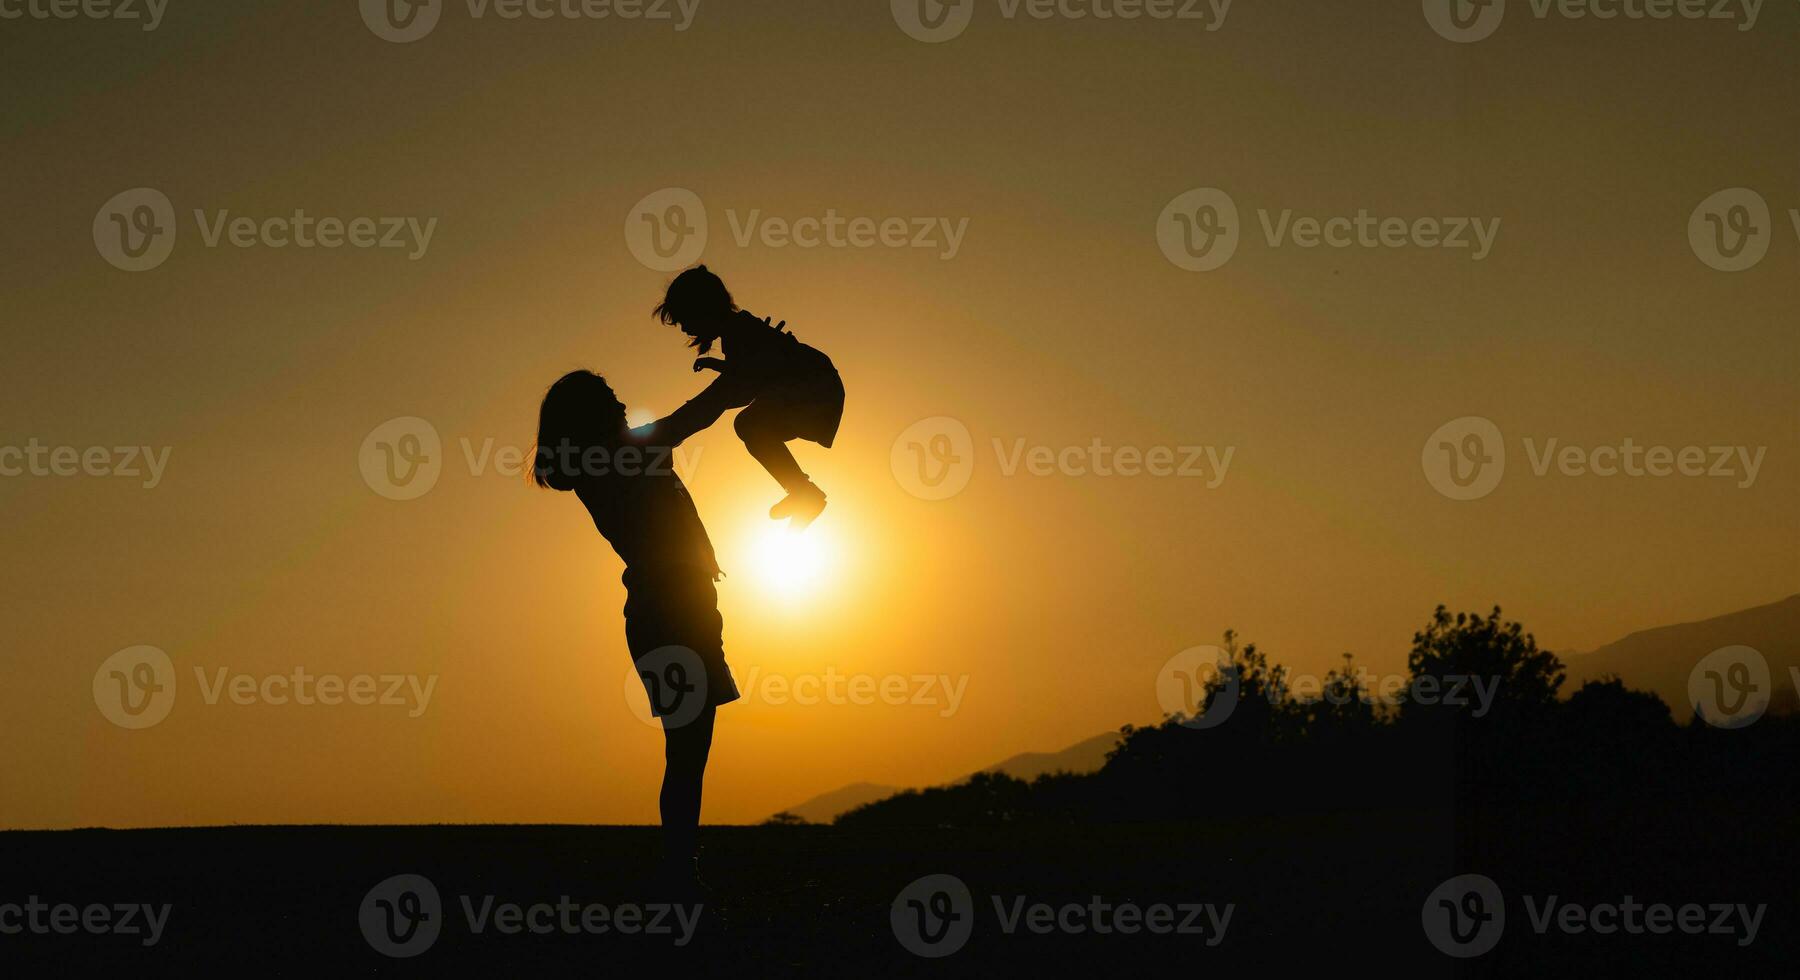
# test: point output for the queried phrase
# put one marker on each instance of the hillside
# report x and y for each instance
(1085, 756)
(1659, 660)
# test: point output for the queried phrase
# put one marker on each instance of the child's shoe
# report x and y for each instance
(801, 507)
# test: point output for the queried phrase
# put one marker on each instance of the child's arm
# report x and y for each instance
(696, 415)
(721, 366)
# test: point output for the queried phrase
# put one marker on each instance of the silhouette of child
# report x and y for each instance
(795, 390)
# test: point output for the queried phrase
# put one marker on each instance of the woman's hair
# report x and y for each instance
(580, 413)
(695, 298)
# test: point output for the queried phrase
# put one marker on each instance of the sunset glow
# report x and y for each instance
(791, 564)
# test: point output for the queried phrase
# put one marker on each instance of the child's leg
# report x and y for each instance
(762, 428)
(685, 750)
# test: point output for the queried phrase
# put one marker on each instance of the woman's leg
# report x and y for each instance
(685, 750)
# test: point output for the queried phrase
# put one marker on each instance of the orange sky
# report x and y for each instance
(1049, 601)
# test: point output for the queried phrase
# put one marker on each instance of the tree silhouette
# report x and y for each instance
(1265, 749)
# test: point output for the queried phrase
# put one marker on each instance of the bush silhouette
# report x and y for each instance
(1480, 721)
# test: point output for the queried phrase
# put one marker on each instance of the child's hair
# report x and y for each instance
(694, 298)
(579, 413)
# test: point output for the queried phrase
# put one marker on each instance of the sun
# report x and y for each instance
(791, 564)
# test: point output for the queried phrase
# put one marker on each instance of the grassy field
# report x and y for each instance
(1305, 890)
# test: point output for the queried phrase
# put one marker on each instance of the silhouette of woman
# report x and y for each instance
(625, 478)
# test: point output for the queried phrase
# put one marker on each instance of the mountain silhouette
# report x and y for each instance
(1659, 660)
(1083, 757)
(825, 807)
